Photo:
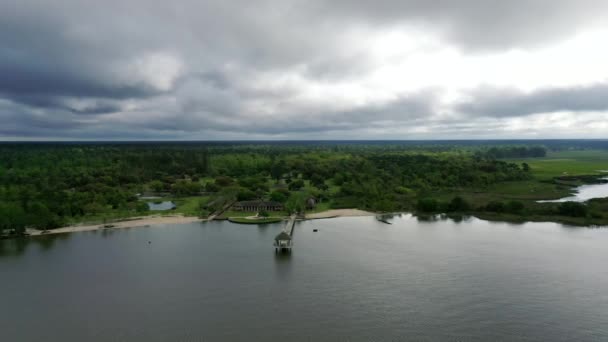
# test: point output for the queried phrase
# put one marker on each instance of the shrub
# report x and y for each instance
(278, 196)
(459, 204)
(142, 207)
(573, 209)
(223, 181)
(212, 187)
(245, 195)
(427, 205)
(495, 206)
(514, 207)
(296, 185)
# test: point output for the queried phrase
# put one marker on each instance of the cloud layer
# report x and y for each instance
(270, 69)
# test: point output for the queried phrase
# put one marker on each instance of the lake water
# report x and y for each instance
(584, 193)
(356, 279)
(161, 206)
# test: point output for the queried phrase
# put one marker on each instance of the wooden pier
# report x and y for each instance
(284, 241)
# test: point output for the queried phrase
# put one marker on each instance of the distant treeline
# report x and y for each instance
(514, 152)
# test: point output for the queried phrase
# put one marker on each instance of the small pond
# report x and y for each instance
(161, 206)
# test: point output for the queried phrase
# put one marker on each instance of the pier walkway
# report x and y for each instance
(284, 241)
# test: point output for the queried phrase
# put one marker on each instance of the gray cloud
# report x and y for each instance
(479, 24)
(99, 69)
(500, 102)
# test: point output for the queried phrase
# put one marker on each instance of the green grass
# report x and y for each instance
(187, 206)
(234, 213)
(267, 220)
(573, 163)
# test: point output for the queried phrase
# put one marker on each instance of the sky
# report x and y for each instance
(303, 70)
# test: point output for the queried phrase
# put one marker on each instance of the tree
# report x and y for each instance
(245, 195)
(12, 218)
(183, 188)
(263, 213)
(41, 217)
(296, 185)
(157, 185)
(279, 196)
(142, 207)
(212, 187)
(317, 180)
(278, 169)
(296, 203)
(525, 167)
(459, 204)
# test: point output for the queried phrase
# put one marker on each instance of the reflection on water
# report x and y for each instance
(18, 246)
(387, 217)
(421, 217)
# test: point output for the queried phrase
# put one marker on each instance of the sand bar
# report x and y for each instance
(339, 213)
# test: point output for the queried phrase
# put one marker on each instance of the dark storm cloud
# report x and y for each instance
(49, 101)
(500, 102)
(38, 56)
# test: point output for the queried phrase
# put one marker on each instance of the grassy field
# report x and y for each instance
(187, 206)
(572, 163)
(541, 187)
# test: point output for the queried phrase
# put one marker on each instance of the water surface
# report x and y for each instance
(584, 193)
(161, 206)
(355, 279)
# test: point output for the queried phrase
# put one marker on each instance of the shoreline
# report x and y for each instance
(134, 222)
(331, 213)
(146, 221)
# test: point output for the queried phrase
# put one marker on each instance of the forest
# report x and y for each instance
(48, 185)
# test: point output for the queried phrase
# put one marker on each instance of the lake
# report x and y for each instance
(355, 279)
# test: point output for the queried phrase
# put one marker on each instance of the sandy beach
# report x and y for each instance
(127, 223)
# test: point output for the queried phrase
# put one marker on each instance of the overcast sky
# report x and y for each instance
(310, 69)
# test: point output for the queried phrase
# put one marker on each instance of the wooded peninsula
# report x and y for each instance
(49, 185)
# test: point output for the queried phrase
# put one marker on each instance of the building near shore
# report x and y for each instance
(283, 241)
(257, 206)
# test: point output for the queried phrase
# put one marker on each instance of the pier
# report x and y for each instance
(283, 242)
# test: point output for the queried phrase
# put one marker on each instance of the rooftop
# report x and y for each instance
(282, 236)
